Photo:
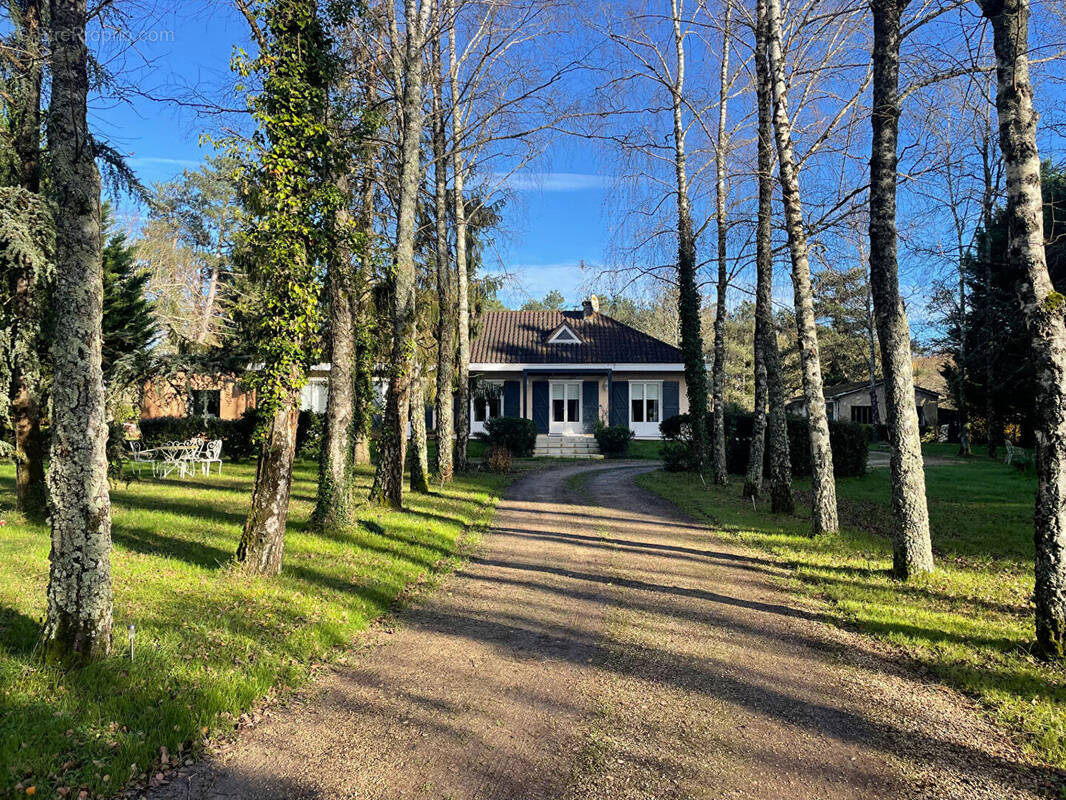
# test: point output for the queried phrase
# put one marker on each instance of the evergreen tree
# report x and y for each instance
(129, 325)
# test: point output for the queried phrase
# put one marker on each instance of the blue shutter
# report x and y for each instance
(512, 398)
(620, 403)
(671, 399)
(540, 405)
(590, 405)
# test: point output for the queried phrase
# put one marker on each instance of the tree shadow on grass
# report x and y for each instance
(151, 542)
(19, 633)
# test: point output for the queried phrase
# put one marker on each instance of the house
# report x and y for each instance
(222, 396)
(851, 402)
(566, 370)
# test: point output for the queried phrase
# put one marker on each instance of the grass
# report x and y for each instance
(644, 448)
(969, 624)
(210, 642)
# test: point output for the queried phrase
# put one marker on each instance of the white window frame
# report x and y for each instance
(645, 430)
(565, 335)
(570, 426)
(475, 425)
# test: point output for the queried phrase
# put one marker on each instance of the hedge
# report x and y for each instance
(237, 435)
(848, 440)
(518, 435)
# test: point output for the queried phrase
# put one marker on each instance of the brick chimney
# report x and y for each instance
(590, 306)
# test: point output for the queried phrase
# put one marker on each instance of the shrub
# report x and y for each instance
(677, 456)
(613, 439)
(848, 440)
(518, 435)
(500, 459)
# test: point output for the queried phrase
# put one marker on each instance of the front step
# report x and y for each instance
(584, 447)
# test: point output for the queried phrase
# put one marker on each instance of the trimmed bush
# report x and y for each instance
(237, 435)
(613, 440)
(677, 456)
(516, 434)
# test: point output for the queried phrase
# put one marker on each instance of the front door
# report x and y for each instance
(565, 407)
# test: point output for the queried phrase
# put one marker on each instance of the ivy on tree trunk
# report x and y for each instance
(1044, 310)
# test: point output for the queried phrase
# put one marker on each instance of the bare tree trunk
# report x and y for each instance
(446, 318)
(720, 473)
(30, 491)
(912, 551)
(781, 500)
(419, 450)
(364, 326)
(688, 304)
(1043, 307)
(462, 428)
(388, 483)
(824, 512)
(78, 623)
(992, 421)
(333, 506)
(757, 450)
(871, 359)
(263, 539)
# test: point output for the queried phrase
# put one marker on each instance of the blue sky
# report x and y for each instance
(554, 216)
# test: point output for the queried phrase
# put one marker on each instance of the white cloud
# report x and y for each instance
(552, 181)
(160, 161)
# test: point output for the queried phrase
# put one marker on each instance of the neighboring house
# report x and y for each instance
(220, 396)
(851, 402)
(566, 370)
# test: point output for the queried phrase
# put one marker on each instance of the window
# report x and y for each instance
(313, 396)
(566, 403)
(564, 336)
(863, 414)
(645, 402)
(206, 402)
(488, 403)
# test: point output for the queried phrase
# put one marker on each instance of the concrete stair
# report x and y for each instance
(566, 447)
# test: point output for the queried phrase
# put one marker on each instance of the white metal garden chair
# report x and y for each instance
(212, 454)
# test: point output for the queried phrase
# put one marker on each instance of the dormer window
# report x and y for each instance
(564, 336)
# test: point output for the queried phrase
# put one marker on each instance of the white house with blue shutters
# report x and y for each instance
(567, 369)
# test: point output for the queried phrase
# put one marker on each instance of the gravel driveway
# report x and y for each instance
(603, 646)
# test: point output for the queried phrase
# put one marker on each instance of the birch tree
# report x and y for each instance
(912, 552)
(720, 473)
(770, 396)
(1042, 306)
(824, 512)
(388, 481)
(79, 614)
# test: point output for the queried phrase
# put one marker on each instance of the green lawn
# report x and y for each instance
(209, 642)
(969, 623)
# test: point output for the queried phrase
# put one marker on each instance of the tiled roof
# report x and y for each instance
(841, 389)
(521, 337)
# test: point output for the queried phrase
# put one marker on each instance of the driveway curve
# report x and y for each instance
(602, 645)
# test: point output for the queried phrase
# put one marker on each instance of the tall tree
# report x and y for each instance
(1044, 310)
(770, 399)
(290, 192)
(388, 482)
(912, 551)
(719, 471)
(365, 320)
(462, 272)
(688, 303)
(333, 504)
(78, 623)
(824, 513)
(25, 131)
(446, 316)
